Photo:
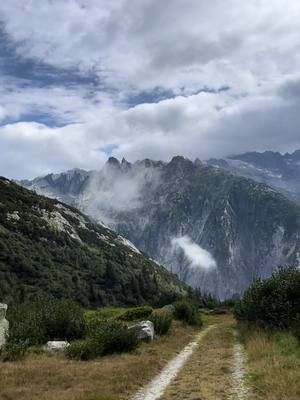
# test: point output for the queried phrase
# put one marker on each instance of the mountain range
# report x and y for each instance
(280, 171)
(47, 247)
(206, 221)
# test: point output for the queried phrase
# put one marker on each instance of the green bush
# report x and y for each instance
(104, 337)
(82, 350)
(136, 313)
(187, 312)
(162, 321)
(273, 302)
(113, 337)
(13, 351)
(296, 328)
(45, 319)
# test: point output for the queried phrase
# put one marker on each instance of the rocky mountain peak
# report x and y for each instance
(113, 162)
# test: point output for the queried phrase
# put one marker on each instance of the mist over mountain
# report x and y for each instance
(216, 230)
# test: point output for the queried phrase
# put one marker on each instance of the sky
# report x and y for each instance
(85, 79)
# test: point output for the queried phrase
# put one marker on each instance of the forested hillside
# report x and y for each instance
(48, 247)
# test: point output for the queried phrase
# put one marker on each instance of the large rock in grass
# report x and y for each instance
(55, 346)
(4, 324)
(144, 330)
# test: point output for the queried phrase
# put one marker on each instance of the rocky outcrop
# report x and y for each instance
(4, 325)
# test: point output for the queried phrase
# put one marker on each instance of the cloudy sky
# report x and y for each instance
(84, 79)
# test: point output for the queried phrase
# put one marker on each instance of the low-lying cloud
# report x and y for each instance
(113, 190)
(195, 254)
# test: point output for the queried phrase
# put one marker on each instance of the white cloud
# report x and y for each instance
(116, 192)
(196, 255)
(31, 149)
(140, 45)
(148, 43)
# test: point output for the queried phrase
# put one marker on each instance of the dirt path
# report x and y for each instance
(155, 389)
(209, 368)
(240, 390)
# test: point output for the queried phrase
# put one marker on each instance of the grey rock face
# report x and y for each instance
(4, 324)
(65, 187)
(280, 171)
(143, 330)
(217, 231)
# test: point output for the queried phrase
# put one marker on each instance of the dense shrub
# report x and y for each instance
(104, 337)
(82, 350)
(13, 351)
(296, 328)
(114, 337)
(273, 302)
(162, 321)
(136, 313)
(45, 319)
(187, 311)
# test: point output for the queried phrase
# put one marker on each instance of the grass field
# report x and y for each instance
(43, 377)
(272, 369)
(273, 364)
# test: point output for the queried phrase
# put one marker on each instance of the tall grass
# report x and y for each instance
(273, 363)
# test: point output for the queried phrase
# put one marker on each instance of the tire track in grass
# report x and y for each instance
(155, 389)
(240, 390)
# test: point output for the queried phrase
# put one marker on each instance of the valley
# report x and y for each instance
(149, 200)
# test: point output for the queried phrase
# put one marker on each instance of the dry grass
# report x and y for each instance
(110, 378)
(274, 365)
(207, 374)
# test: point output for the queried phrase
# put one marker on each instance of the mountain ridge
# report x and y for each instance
(280, 171)
(175, 210)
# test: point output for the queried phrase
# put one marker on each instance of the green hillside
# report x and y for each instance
(49, 247)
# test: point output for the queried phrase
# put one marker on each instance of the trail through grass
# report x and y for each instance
(208, 373)
(156, 388)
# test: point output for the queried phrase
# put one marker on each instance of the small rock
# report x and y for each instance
(55, 346)
(144, 330)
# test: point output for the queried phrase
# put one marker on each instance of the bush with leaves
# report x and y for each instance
(272, 302)
(103, 337)
(187, 311)
(162, 321)
(114, 337)
(45, 319)
(14, 351)
(82, 350)
(296, 328)
(136, 313)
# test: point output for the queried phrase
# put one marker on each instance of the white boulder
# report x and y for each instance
(144, 330)
(4, 324)
(55, 346)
